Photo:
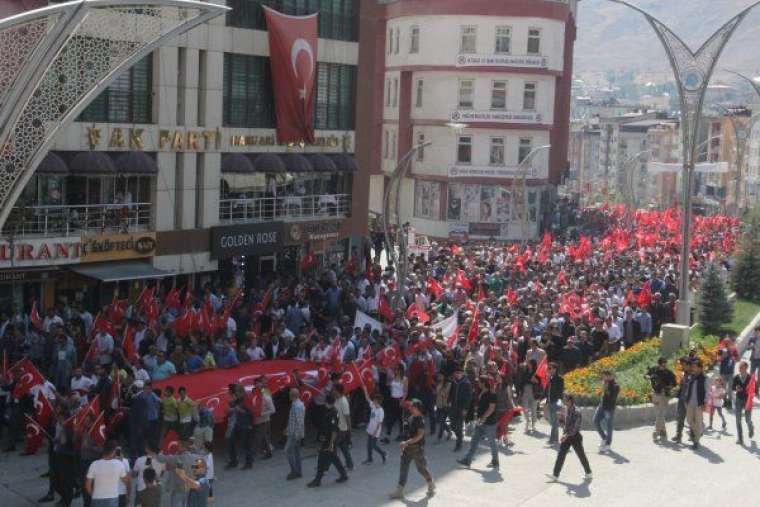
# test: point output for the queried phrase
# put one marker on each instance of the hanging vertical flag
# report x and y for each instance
(293, 56)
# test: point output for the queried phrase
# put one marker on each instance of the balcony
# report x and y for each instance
(74, 220)
(287, 208)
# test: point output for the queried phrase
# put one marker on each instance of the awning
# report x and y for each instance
(296, 163)
(237, 163)
(269, 163)
(92, 162)
(136, 162)
(344, 162)
(52, 164)
(321, 163)
(119, 271)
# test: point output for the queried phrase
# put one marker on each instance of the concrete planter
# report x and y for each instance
(630, 416)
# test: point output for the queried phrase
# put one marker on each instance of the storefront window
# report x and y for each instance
(479, 203)
(427, 199)
(240, 186)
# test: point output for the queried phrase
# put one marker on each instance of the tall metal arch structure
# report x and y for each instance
(55, 60)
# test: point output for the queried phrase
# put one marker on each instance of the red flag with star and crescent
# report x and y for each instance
(293, 56)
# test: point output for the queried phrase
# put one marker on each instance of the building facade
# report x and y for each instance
(175, 171)
(485, 83)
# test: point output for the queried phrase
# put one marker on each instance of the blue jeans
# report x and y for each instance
(739, 409)
(604, 417)
(105, 502)
(487, 431)
(293, 452)
(554, 421)
(372, 445)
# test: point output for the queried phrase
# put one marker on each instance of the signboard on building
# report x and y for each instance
(246, 239)
(299, 233)
(466, 116)
(487, 171)
(117, 247)
(37, 252)
(527, 61)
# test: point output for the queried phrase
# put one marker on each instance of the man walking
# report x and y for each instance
(413, 449)
(295, 433)
(459, 403)
(103, 478)
(554, 392)
(344, 424)
(327, 454)
(571, 437)
(662, 380)
(605, 412)
(486, 425)
(740, 386)
(695, 401)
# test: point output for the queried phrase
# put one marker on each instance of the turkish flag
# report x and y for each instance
(172, 300)
(415, 311)
(435, 288)
(128, 345)
(542, 373)
(254, 402)
(293, 56)
(384, 309)
(43, 410)
(170, 443)
(751, 393)
(389, 357)
(367, 376)
(35, 435)
(276, 383)
(26, 376)
(308, 393)
(351, 378)
(34, 316)
(98, 430)
(117, 310)
(183, 323)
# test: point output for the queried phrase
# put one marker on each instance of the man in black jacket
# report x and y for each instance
(740, 386)
(662, 380)
(460, 398)
(695, 400)
(554, 391)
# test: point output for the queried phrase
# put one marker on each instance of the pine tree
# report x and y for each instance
(715, 309)
(746, 272)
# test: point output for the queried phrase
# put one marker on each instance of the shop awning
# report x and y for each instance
(52, 164)
(237, 163)
(92, 162)
(344, 162)
(269, 163)
(136, 162)
(119, 271)
(296, 163)
(322, 163)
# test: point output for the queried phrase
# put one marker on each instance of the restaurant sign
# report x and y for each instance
(117, 247)
(246, 239)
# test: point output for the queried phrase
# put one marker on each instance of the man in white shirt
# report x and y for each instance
(147, 461)
(81, 383)
(123, 485)
(374, 426)
(344, 424)
(254, 351)
(103, 478)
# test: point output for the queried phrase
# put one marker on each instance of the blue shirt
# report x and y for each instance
(199, 497)
(227, 360)
(194, 362)
(163, 371)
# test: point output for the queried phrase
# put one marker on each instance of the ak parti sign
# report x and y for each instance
(293, 57)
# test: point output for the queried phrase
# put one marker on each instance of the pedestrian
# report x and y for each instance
(485, 424)
(103, 478)
(63, 473)
(327, 454)
(460, 399)
(145, 463)
(239, 429)
(262, 427)
(344, 424)
(399, 388)
(174, 486)
(754, 356)
(571, 437)
(150, 495)
(695, 400)
(209, 459)
(374, 426)
(123, 486)
(442, 396)
(413, 449)
(740, 386)
(198, 485)
(294, 434)
(662, 381)
(717, 397)
(605, 412)
(554, 391)
(529, 388)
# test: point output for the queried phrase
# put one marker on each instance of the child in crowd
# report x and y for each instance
(717, 397)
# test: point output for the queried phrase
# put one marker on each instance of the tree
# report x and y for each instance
(714, 307)
(746, 272)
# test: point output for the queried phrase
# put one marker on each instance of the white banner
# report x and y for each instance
(363, 319)
(704, 167)
(535, 62)
(447, 326)
(496, 116)
(494, 171)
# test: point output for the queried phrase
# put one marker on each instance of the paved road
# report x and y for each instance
(637, 472)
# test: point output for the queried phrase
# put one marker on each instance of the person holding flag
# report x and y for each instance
(743, 387)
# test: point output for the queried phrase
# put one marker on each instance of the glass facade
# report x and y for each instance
(338, 19)
(129, 99)
(248, 99)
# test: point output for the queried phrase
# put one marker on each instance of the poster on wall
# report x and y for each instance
(427, 199)
(495, 204)
(464, 202)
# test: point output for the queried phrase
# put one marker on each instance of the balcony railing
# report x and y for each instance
(290, 208)
(78, 219)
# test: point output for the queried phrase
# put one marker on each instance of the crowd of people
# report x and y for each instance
(476, 335)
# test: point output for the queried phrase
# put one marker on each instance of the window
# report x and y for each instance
(248, 99)
(427, 199)
(338, 19)
(468, 39)
(418, 94)
(414, 39)
(393, 145)
(529, 97)
(503, 39)
(466, 93)
(390, 41)
(526, 145)
(387, 93)
(534, 41)
(129, 99)
(395, 40)
(421, 151)
(499, 95)
(464, 150)
(395, 92)
(334, 96)
(385, 144)
(496, 153)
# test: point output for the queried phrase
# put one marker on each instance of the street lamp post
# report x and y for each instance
(692, 71)
(631, 191)
(522, 168)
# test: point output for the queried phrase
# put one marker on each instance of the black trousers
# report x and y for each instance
(457, 424)
(576, 442)
(325, 459)
(680, 419)
(63, 473)
(244, 435)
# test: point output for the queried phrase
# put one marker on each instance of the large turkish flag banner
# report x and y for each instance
(293, 57)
